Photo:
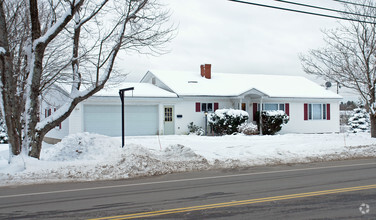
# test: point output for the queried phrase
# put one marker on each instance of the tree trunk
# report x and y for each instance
(35, 143)
(373, 125)
(10, 110)
(33, 139)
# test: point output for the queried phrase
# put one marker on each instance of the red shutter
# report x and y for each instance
(198, 107)
(287, 109)
(254, 111)
(216, 106)
(49, 112)
(60, 123)
(45, 113)
(327, 111)
(305, 111)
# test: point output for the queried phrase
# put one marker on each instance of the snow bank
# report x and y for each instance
(85, 157)
(81, 147)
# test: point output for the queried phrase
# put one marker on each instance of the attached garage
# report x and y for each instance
(106, 119)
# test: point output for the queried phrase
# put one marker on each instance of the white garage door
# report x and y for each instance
(106, 120)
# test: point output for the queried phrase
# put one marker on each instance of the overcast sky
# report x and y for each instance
(236, 38)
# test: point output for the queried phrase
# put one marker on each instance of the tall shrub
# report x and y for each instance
(272, 121)
(227, 121)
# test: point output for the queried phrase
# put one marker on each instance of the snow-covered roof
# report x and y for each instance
(226, 84)
(140, 90)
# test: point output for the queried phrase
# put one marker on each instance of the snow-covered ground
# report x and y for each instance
(85, 157)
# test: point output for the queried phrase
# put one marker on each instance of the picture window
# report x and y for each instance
(317, 111)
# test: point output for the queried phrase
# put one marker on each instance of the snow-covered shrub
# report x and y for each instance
(248, 129)
(272, 121)
(194, 129)
(359, 122)
(3, 132)
(227, 121)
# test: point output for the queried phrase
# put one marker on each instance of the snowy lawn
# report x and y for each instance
(85, 157)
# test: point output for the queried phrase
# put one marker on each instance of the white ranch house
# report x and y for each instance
(166, 102)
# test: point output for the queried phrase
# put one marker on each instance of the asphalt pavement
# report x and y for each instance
(326, 190)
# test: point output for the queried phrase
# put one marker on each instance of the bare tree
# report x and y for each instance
(350, 55)
(74, 42)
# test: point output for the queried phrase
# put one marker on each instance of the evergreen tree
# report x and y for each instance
(359, 121)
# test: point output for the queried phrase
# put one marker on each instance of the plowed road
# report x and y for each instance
(328, 190)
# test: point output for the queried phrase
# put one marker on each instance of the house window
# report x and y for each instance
(204, 107)
(244, 106)
(207, 107)
(168, 114)
(317, 111)
(272, 107)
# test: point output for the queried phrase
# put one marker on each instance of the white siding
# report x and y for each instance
(187, 109)
(52, 99)
(76, 120)
(297, 124)
(59, 133)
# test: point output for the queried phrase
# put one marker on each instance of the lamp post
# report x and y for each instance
(206, 123)
(121, 93)
(261, 116)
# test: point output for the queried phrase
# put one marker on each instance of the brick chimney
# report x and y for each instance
(206, 71)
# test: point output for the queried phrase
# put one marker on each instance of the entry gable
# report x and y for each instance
(254, 93)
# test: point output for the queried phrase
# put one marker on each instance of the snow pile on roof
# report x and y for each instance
(85, 157)
(226, 84)
(140, 90)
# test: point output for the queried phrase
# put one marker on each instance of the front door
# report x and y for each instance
(168, 120)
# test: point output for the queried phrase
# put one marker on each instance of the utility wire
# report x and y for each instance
(354, 3)
(303, 12)
(322, 8)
